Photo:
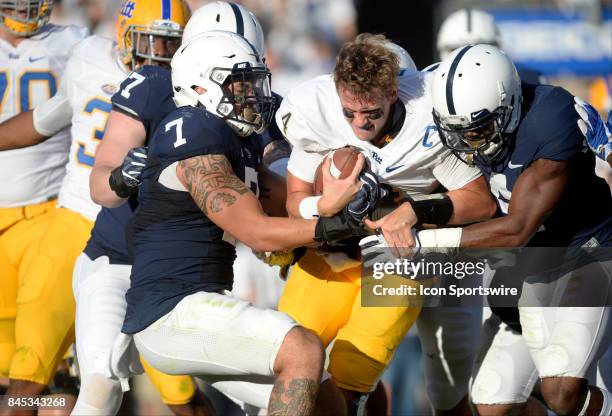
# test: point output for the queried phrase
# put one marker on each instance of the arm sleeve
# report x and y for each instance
(133, 94)
(452, 173)
(304, 164)
(55, 114)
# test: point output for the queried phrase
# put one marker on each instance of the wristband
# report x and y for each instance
(116, 183)
(383, 210)
(440, 237)
(309, 207)
(432, 209)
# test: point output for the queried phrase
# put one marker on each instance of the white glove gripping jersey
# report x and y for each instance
(92, 76)
(415, 162)
(29, 75)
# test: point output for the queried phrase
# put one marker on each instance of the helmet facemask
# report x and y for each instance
(154, 44)
(247, 103)
(25, 17)
(481, 137)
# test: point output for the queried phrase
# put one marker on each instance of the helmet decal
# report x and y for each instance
(451, 77)
(239, 21)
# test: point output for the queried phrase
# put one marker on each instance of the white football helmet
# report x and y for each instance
(464, 27)
(405, 60)
(236, 80)
(477, 98)
(232, 17)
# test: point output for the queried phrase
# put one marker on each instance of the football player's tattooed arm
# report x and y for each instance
(122, 133)
(19, 131)
(226, 201)
(535, 194)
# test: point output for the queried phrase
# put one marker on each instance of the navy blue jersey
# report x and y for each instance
(548, 130)
(177, 250)
(145, 95)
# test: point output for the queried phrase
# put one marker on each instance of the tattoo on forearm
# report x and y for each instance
(296, 397)
(211, 182)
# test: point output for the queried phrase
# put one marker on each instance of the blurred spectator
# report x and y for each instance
(98, 15)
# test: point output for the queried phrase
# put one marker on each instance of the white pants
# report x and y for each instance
(99, 290)
(555, 341)
(449, 340)
(216, 336)
(255, 281)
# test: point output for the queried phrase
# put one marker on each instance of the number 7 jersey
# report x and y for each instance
(29, 75)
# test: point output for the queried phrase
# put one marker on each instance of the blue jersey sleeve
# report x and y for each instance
(555, 126)
(146, 95)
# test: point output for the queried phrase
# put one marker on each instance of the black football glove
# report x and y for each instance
(367, 198)
(125, 179)
(338, 227)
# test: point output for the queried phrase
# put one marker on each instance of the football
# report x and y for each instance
(343, 163)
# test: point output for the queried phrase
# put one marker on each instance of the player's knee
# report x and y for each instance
(563, 396)
(302, 347)
(311, 346)
(98, 395)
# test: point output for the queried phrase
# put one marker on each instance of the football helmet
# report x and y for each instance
(476, 94)
(150, 31)
(232, 17)
(464, 27)
(235, 79)
(405, 60)
(25, 17)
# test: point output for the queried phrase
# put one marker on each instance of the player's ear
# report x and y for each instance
(200, 90)
(393, 95)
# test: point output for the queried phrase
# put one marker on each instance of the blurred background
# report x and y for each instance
(568, 41)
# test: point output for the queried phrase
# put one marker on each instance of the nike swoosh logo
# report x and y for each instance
(513, 166)
(392, 168)
(36, 59)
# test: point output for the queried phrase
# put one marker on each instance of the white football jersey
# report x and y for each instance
(29, 75)
(92, 76)
(415, 162)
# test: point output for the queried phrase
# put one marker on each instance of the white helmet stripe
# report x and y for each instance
(450, 77)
